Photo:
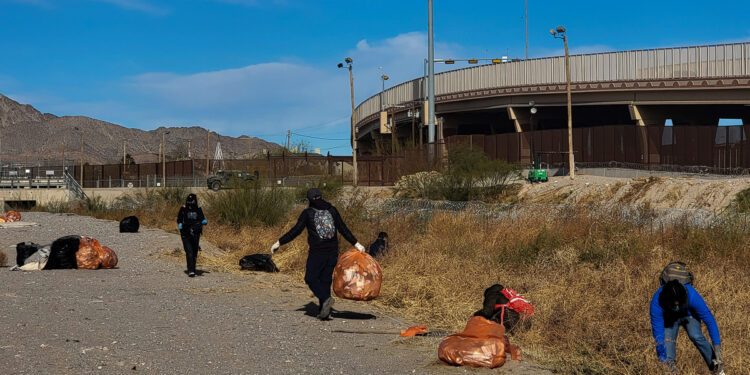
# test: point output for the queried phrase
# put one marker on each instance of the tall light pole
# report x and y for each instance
(383, 78)
(560, 33)
(431, 76)
(164, 159)
(348, 61)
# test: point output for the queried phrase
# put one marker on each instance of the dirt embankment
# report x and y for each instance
(655, 192)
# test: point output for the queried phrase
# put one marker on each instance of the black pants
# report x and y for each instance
(319, 273)
(190, 243)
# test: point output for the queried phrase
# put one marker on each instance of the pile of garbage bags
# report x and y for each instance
(357, 276)
(67, 252)
(10, 217)
(481, 344)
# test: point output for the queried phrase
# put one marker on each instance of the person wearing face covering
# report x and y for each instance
(190, 221)
(675, 305)
(323, 223)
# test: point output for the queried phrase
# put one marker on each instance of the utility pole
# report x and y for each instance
(208, 148)
(393, 131)
(526, 18)
(413, 119)
(571, 160)
(190, 154)
(354, 130)
(431, 76)
(288, 136)
(163, 160)
(81, 158)
(124, 159)
(561, 33)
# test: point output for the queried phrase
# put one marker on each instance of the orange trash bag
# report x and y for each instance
(481, 344)
(357, 276)
(107, 256)
(87, 258)
(12, 216)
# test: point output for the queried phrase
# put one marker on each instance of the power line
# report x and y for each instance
(325, 139)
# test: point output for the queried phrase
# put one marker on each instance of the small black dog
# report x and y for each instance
(505, 316)
(380, 246)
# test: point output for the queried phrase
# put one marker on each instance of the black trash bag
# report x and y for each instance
(129, 224)
(24, 250)
(63, 253)
(258, 262)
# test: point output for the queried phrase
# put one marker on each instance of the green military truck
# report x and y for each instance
(223, 179)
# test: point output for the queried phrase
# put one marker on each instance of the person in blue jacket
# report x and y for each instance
(675, 305)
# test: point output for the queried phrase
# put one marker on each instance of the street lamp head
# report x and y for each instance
(533, 110)
(385, 77)
(560, 29)
(552, 32)
(532, 103)
(348, 60)
(341, 65)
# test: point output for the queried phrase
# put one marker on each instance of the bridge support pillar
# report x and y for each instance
(647, 115)
(520, 119)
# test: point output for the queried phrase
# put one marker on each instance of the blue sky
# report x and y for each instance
(260, 67)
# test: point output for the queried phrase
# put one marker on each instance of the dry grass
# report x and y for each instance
(3, 259)
(589, 275)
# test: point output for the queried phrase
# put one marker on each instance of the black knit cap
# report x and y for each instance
(314, 194)
(191, 199)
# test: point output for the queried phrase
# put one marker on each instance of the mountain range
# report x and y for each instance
(29, 136)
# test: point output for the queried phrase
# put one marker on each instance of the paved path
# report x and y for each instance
(147, 317)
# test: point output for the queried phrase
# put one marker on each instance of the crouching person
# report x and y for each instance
(323, 223)
(190, 221)
(675, 305)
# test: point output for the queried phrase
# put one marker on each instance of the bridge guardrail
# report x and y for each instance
(710, 61)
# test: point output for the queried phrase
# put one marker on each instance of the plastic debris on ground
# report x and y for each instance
(413, 331)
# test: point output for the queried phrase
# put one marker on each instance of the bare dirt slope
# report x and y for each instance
(656, 192)
(146, 316)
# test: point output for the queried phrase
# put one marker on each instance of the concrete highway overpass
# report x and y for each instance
(694, 86)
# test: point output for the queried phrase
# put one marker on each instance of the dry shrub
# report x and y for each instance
(590, 273)
(3, 258)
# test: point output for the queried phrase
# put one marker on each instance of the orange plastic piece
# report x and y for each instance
(357, 276)
(107, 256)
(12, 216)
(481, 344)
(413, 331)
(87, 258)
(513, 350)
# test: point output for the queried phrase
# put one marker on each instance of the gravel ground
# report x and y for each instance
(147, 316)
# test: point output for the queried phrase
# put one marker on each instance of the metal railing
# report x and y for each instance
(712, 61)
(76, 191)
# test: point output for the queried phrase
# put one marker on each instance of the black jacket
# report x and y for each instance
(190, 218)
(307, 220)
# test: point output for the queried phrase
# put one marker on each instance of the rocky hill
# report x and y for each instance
(28, 135)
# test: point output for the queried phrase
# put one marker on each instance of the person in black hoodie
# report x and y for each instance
(323, 223)
(190, 221)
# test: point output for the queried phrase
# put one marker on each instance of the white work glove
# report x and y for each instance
(275, 247)
(359, 247)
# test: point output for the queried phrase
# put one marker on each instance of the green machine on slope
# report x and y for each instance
(537, 173)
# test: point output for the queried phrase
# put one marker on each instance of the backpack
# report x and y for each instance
(516, 303)
(324, 225)
(676, 271)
